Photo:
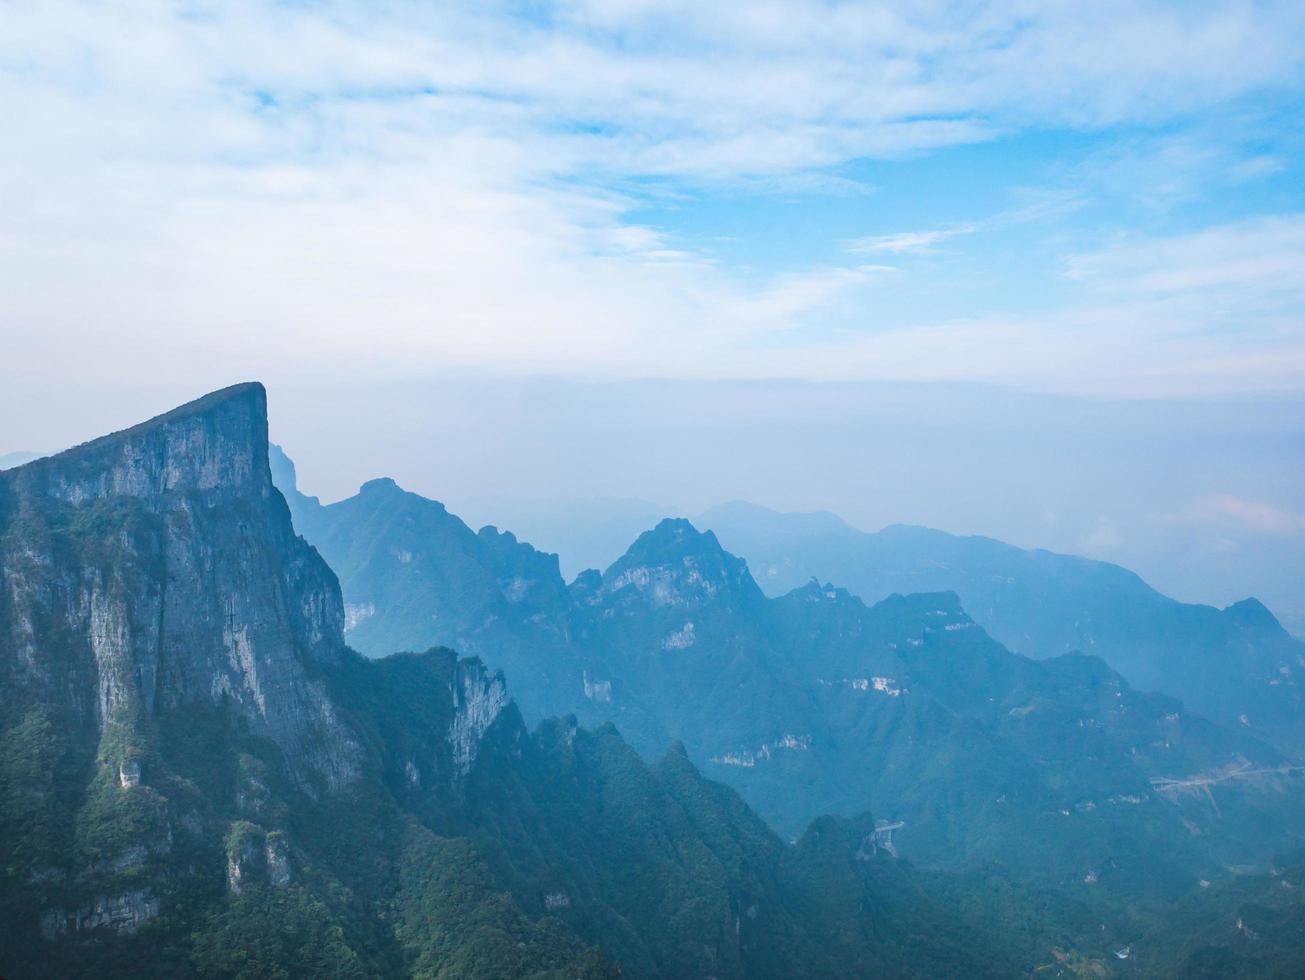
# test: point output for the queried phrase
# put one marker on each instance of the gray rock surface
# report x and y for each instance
(139, 554)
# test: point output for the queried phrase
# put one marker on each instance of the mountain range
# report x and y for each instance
(201, 777)
(812, 702)
(1235, 665)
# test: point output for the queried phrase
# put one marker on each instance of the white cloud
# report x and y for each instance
(1166, 169)
(1263, 254)
(911, 242)
(341, 187)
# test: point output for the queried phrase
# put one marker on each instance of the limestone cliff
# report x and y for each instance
(174, 684)
(479, 696)
(156, 567)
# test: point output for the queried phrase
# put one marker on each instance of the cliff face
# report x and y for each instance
(174, 698)
(479, 696)
(157, 567)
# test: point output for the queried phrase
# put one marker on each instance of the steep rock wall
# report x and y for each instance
(157, 567)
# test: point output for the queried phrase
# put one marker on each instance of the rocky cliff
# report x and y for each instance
(157, 567)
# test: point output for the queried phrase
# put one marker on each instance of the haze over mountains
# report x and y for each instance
(1237, 665)
(813, 702)
(200, 778)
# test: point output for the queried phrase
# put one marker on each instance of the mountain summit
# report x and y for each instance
(215, 443)
(675, 564)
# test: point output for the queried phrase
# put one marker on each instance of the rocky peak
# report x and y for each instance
(525, 575)
(1253, 614)
(586, 589)
(384, 486)
(817, 592)
(216, 444)
(675, 564)
(286, 477)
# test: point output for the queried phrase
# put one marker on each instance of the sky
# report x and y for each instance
(562, 213)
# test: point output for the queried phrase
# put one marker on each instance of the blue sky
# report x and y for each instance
(1097, 201)
(1057, 196)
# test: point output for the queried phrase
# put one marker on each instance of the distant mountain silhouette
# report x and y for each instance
(815, 702)
(1236, 665)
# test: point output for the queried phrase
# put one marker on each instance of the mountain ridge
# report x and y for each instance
(814, 701)
(1232, 664)
(199, 779)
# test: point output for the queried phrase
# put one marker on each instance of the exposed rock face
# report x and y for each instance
(557, 900)
(129, 774)
(596, 690)
(677, 565)
(478, 697)
(255, 856)
(277, 853)
(123, 913)
(157, 567)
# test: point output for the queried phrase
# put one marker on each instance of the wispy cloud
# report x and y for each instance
(910, 242)
(1036, 205)
(347, 186)
(1267, 254)
(1167, 169)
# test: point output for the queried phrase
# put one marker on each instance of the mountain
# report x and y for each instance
(438, 583)
(199, 778)
(813, 703)
(1235, 665)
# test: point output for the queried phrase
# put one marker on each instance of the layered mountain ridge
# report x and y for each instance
(814, 702)
(200, 779)
(1236, 665)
